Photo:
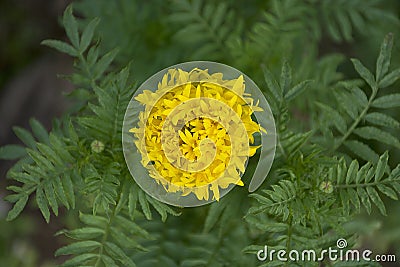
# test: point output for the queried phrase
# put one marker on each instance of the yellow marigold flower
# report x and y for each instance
(196, 131)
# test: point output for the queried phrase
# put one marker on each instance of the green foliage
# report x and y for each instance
(341, 18)
(62, 169)
(107, 239)
(47, 170)
(354, 184)
(332, 131)
(279, 28)
(208, 26)
(354, 115)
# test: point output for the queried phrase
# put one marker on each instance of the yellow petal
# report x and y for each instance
(253, 150)
(198, 91)
(238, 87)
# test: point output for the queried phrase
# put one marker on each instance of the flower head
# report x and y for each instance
(196, 131)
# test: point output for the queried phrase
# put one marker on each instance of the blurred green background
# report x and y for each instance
(316, 36)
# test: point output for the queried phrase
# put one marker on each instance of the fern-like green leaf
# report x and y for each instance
(204, 24)
(364, 185)
(106, 238)
(353, 115)
(47, 172)
(388, 101)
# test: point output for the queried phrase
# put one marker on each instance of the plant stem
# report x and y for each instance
(364, 185)
(356, 122)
